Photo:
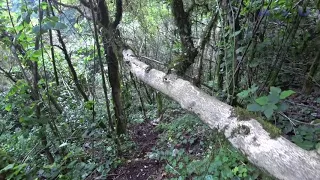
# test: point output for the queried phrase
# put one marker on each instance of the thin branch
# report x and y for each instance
(301, 122)
(8, 75)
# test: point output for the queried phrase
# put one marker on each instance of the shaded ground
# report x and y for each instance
(140, 167)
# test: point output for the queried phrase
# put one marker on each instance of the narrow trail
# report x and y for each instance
(140, 167)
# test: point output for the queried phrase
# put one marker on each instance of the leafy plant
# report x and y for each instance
(269, 104)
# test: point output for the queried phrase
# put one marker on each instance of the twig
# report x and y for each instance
(26, 157)
(301, 122)
(282, 114)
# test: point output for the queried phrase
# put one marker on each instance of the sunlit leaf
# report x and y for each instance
(8, 107)
(243, 94)
(263, 100)
(285, 94)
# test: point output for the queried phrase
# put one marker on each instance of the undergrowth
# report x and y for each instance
(191, 150)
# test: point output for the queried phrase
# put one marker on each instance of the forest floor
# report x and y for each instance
(304, 110)
(140, 166)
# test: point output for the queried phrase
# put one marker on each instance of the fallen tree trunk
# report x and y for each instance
(279, 157)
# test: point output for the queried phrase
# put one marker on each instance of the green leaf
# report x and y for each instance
(235, 33)
(44, 5)
(60, 26)
(243, 94)
(275, 90)
(8, 107)
(285, 94)
(253, 88)
(8, 167)
(268, 112)
(240, 49)
(273, 98)
(283, 106)
(180, 165)
(254, 107)
(36, 30)
(262, 100)
(49, 25)
(308, 145)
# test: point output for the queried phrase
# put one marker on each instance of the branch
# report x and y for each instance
(8, 75)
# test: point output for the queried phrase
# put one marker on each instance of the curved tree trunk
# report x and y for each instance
(279, 157)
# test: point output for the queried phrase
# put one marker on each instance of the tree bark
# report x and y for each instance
(279, 157)
(108, 38)
(189, 52)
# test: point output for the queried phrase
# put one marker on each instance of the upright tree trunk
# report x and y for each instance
(189, 52)
(109, 37)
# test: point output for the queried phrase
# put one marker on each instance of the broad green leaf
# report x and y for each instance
(273, 98)
(268, 112)
(254, 107)
(60, 26)
(308, 145)
(243, 94)
(285, 94)
(275, 90)
(36, 29)
(263, 100)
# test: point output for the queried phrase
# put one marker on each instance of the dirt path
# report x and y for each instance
(140, 167)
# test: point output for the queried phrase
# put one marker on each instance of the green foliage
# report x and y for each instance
(306, 137)
(270, 104)
(191, 150)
